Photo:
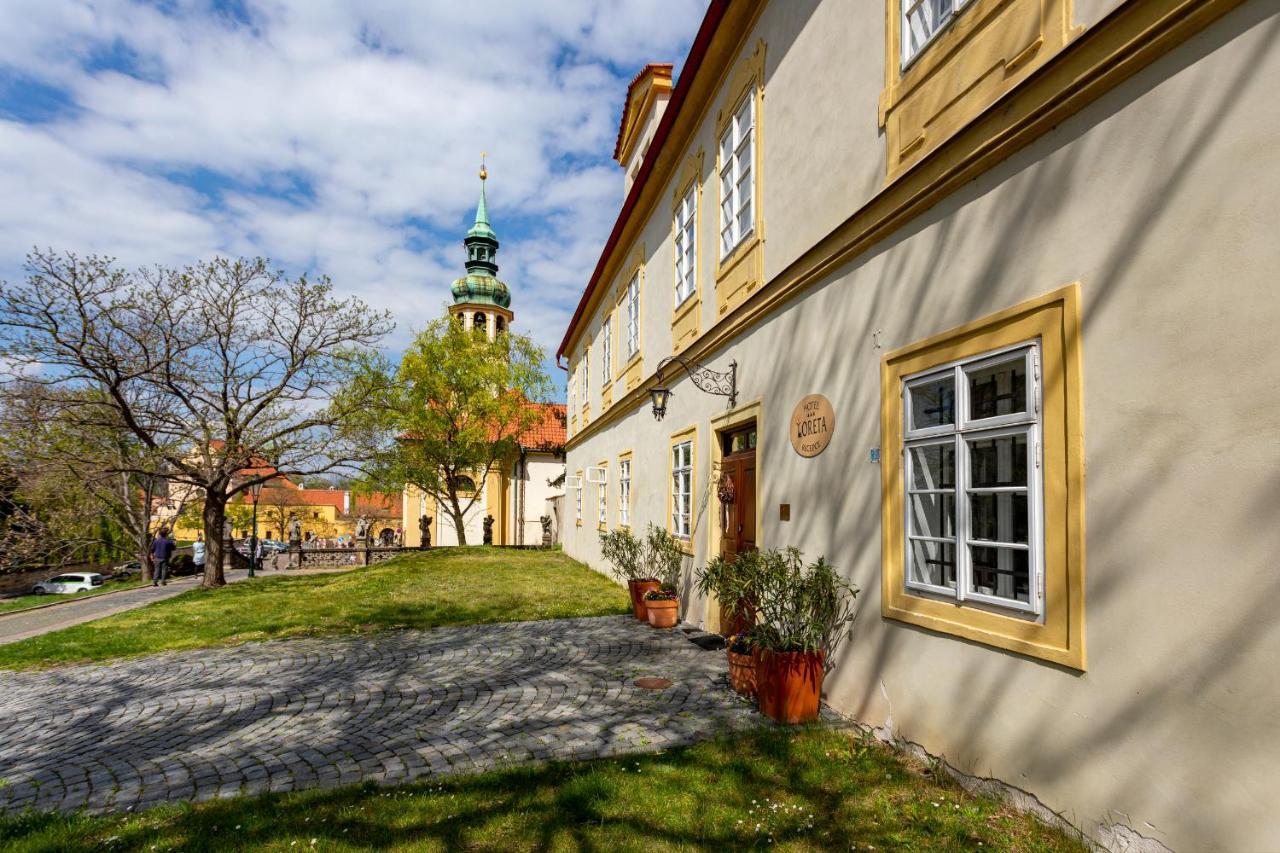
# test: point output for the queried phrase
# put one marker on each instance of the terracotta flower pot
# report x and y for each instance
(663, 614)
(789, 685)
(637, 590)
(742, 673)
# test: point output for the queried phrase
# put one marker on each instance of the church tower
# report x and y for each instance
(480, 300)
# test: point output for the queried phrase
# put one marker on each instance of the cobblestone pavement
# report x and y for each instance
(21, 624)
(320, 712)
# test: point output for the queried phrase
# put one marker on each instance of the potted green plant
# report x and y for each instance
(803, 612)
(742, 664)
(626, 554)
(663, 554)
(732, 581)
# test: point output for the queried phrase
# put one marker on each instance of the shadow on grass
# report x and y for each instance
(805, 789)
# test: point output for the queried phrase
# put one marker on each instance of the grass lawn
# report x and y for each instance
(806, 789)
(447, 586)
(25, 602)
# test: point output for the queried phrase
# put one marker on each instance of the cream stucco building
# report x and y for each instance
(1027, 252)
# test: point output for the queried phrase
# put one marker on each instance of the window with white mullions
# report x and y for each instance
(973, 483)
(633, 315)
(681, 488)
(606, 352)
(922, 20)
(624, 492)
(686, 246)
(737, 191)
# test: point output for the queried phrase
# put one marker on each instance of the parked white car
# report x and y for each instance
(69, 583)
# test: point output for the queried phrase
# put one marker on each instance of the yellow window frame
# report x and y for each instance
(689, 434)
(1054, 320)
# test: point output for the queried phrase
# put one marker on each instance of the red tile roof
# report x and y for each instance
(548, 433)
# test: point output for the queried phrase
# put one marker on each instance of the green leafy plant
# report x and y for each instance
(800, 608)
(739, 644)
(664, 556)
(734, 582)
(662, 594)
(625, 553)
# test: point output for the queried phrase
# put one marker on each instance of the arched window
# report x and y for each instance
(479, 323)
(463, 483)
(499, 324)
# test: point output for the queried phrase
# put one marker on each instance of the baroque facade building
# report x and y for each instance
(518, 493)
(951, 257)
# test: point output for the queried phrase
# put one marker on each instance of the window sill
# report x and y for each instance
(684, 323)
(740, 273)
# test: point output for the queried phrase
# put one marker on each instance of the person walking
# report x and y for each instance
(197, 553)
(161, 551)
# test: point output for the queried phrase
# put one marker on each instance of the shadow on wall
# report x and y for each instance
(1129, 732)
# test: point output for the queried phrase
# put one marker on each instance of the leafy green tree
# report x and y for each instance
(451, 413)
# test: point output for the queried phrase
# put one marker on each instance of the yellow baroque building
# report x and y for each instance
(977, 299)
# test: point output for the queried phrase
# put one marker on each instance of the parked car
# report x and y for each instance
(68, 583)
(125, 570)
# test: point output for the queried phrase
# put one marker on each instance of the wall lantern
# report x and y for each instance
(704, 379)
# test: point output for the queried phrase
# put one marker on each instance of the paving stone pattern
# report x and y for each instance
(320, 712)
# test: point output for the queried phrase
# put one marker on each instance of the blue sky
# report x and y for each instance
(338, 138)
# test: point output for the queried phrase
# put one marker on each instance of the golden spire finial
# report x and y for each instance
(483, 172)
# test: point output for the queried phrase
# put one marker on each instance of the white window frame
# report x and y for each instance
(737, 165)
(910, 7)
(602, 501)
(577, 502)
(606, 352)
(633, 315)
(572, 393)
(958, 434)
(686, 246)
(682, 489)
(624, 492)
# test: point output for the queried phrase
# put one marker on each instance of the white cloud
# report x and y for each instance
(378, 109)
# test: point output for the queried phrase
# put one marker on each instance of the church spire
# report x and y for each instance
(481, 241)
(480, 286)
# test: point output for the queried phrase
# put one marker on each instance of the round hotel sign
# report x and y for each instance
(812, 423)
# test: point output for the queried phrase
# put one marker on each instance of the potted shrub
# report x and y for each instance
(733, 583)
(803, 612)
(664, 555)
(626, 553)
(663, 607)
(742, 664)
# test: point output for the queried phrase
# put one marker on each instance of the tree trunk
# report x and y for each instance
(215, 513)
(144, 530)
(458, 521)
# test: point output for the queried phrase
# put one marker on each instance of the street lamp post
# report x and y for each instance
(255, 490)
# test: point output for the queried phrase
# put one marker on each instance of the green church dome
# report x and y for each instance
(480, 286)
(481, 289)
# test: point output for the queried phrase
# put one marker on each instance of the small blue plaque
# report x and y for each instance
(875, 454)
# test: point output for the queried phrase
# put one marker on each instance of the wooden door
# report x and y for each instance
(738, 475)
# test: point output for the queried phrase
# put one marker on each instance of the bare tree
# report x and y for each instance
(224, 372)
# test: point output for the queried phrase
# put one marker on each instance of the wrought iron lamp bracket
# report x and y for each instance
(720, 383)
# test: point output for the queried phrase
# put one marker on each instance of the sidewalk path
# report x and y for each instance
(321, 712)
(22, 624)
